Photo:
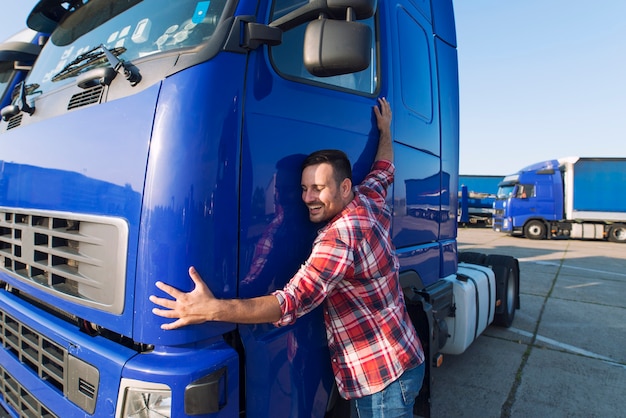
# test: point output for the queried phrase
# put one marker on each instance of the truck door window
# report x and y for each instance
(524, 191)
(132, 29)
(287, 57)
(415, 67)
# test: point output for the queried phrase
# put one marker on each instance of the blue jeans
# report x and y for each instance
(395, 401)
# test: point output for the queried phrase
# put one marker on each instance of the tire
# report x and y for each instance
(506, 269)
(617, 233)
(472, 257)
(535, 230)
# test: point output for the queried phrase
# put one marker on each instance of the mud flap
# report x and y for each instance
(421, 315)
(502, 265)
(427, 310)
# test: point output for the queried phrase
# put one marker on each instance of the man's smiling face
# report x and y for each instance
(321, 193)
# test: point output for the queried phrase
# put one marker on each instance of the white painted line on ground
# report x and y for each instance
(583, 285)
(567, 347)
(550, 263)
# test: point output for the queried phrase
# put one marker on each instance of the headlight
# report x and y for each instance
(139, 399)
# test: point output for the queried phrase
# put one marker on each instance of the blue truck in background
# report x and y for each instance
(570, 197)
(477, 193)
(154, 135)
(17, 55)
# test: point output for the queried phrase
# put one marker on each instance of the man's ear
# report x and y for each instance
(346, 187)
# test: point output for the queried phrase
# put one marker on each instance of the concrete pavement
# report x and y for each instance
(565, 354)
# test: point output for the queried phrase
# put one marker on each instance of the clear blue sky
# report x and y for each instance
(539, 79)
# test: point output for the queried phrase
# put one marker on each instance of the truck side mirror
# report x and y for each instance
(23, 54)
(334, 47)
(334, 43)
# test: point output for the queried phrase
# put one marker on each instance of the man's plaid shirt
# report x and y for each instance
(353, 269)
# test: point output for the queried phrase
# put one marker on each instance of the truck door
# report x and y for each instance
(534, 200)
(425, 86)
(289, 113)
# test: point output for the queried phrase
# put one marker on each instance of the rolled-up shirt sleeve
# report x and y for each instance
(380, 177)
(329, 262)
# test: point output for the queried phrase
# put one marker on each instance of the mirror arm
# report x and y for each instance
(22, 100)
(301, 15)
(351, 10)
(257, 34)
(350, 15)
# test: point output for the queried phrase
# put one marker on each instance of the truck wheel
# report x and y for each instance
(617, 233)
(535, 230)
(506, 270)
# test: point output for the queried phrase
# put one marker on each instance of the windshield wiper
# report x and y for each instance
(121, 67)
(90, 58)
(96, 57)
(22, 105)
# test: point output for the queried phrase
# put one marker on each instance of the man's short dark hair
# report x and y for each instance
(342, 168)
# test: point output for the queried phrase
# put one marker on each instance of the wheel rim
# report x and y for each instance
(535, 230)
(619, 234)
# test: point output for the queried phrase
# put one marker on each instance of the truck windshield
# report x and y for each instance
(131, 29)
(505, 191)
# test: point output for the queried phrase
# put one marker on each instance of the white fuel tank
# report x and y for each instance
(474, 289)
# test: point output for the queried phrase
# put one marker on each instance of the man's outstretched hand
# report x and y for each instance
(194, 307)
(200, 305)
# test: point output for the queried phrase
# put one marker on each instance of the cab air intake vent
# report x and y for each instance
(15, 121)
(86, 97)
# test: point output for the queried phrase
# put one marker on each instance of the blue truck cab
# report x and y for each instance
(156, 135)
(529, 198)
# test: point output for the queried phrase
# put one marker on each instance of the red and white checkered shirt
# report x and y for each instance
(353, 270)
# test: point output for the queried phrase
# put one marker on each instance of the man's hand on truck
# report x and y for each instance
(200, 305)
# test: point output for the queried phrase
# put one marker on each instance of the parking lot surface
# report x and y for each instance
(564, 355)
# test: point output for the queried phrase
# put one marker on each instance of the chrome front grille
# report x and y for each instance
(72, 377)
(21, 400)
(42, 356)
(76, 257)
(47, 359)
